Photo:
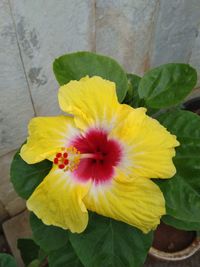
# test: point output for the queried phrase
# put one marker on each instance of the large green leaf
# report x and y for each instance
(26, 177)
(180, 224)
(65, 256)
(29, 250)
(47, 237)
(132, 97)
(167, 85)
(110, 243)
(182, 198)
(77, 65)
(182, 192)
(7, 260)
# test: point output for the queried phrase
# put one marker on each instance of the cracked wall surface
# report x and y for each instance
(139, 33)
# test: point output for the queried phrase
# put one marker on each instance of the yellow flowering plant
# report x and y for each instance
(99, 178)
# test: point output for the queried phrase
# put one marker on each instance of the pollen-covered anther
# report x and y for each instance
(68, 159)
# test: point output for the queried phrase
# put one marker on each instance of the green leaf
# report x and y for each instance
(29, 250)
(182, 198)
(47, 237)
(77, 65)
(182, 192)
(7, 260)
(35, 263)
(110, 243)
(65, 256)
(132, 97)
(180, 224)
(26, 177)
(167, 85)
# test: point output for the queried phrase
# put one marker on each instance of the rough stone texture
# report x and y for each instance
(195, 55)
(15, 228)
(15, 206)
(176, 31)
(47, 30)
(8, 197)
(195, 93)
(124, 30)
(3, 213)
(15, 104)
(140, 34)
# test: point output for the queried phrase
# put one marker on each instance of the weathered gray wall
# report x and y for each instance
(138, 33)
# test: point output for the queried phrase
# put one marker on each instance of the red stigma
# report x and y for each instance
(61, 160)
(55, 161)
(58, 155)
(66, 161)
(61, 166)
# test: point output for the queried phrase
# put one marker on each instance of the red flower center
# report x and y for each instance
(99, 156)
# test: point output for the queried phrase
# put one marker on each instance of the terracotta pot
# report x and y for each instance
(172, 244)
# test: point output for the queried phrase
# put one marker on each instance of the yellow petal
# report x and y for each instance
(93, 101)
(46, 137)
(58, 201)
(138, 202)
(148, 146)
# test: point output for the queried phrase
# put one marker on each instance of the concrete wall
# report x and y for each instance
(139, 33)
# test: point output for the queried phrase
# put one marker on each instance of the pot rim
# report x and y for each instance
(179, 255)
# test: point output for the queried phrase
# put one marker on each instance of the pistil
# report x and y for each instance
(69, 158)
(96, 156)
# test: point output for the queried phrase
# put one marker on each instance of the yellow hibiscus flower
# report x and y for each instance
(103, 158)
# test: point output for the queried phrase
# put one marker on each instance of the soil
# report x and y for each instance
(169, 239)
